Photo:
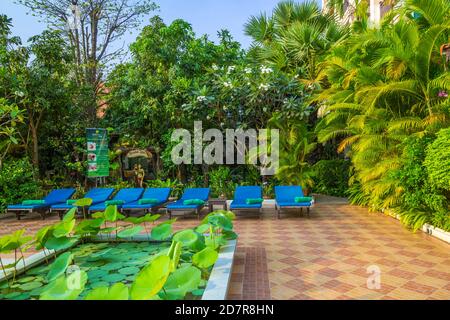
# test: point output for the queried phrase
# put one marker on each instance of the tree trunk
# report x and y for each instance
(35, 149)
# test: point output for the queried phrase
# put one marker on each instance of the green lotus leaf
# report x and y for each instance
(60, 243)
(85, 202)
(162, 231)
(221, 221)
(205, 258)
(187, 237)
(203, 228)
(64, 228)
(229, 235)
(111, 213)
(150, 218)
(114, 277)
(12, 295)
(98, 215)
(129, 270)
(65, 288)
(26, 279)
(133, 220)
(100, 253)
(174, 254)
(22, 296)
(42, 236)
(108, 230)
(99, 284)
(183, 280)
(59, 266)
(198, 292)
(130, 232)
(30, 285)
(118, 291)
(150, 280)
(70, 215)
(170, 221)
(113, 266)
(96, 273)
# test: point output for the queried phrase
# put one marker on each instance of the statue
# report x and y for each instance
(139, 174)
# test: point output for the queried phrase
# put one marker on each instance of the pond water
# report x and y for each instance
(105, 264)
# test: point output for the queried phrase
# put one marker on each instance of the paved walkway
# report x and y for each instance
(326, 256)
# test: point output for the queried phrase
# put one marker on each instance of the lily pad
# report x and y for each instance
(22, 296)
(114, 277)
(26, 279)
(12, 295)
(99, 284)
(30, 285)
(129, 270)
(96, 273)
(113, 266)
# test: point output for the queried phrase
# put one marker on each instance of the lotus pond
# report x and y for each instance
(165, 265)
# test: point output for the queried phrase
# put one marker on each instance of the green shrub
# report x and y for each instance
(421, 201)
(220, 181)
(437, 161)
(177, 186)
(17, 183)
(331, 177)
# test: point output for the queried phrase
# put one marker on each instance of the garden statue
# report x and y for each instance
(139, 174)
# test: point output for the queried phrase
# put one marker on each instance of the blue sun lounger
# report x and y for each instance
(126, 195)
(159, 194)
(285, 199)
(241, 194)
(97, 195)
(189, 194)
(58, 196)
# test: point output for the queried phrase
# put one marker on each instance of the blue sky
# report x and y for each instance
(206, 16)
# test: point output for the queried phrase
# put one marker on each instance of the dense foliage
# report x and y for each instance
(363, 109)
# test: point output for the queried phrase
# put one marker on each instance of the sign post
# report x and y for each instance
(97, 153)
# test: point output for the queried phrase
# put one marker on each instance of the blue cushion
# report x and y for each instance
(99, 194)
(179, 205)
(288, 193)
(62, 206)
(247, 192)
(294, 204)
(126, 195)
(59, 195)
(54, 197)
(162, 194)
(28, 207)
(242, 204)
(196, 193)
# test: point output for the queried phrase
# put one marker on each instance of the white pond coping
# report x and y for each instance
(217, 286)
(216, 289)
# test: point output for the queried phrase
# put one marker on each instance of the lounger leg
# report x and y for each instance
(60, 213)
(197, 211)
(18, 215)
(170, 214)
(278, 212)
(301, 211)
(307, 211)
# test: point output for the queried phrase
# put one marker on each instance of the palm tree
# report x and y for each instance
(384, 88)
(296, 143)
(294, 38)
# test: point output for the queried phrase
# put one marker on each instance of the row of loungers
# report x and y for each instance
(131, 199)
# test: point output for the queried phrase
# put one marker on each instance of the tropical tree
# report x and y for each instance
(387, 84)
(294, 38)
(91, 27)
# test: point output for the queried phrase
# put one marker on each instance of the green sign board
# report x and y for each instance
(97, 153)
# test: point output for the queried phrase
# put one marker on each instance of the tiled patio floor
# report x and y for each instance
(325, 256)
